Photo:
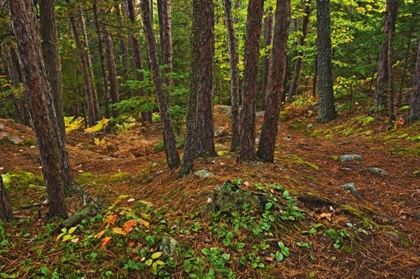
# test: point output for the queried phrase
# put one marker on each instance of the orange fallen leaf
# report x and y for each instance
(128, 226)
(105, 241)
(118, 230)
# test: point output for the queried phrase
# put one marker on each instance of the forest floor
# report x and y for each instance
(372, 234)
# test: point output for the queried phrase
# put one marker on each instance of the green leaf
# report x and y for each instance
(72, 229)
(205, 251)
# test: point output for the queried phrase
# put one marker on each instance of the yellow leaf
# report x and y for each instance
(118, 230)
(156, 255)
(66, 237)
(99, 234)
(144, 223)
(72, 229)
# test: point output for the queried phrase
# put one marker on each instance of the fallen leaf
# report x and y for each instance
(118, 230)
(128, 226)
(104, 242)
(325, 215)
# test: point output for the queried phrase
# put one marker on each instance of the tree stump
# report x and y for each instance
(6, 213)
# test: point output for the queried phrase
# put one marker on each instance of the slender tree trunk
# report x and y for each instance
(234, 76)
(407, 55)
(205, 97)
(137, 59)
(327, 110)
(85, 43)
(250, 85)
(414, 113)
(85, 71)
(40, 100)
(6, 213)
(166, 40)
(112, 72)
(383, 70)
(268, 40)
(122, 43)
(297, 67)
(102, 61)
(190, 135)
(172, 156)
(276, 82)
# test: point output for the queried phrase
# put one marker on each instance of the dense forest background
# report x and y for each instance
(104, 30)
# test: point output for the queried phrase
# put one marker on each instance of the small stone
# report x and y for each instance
(351, 188)
(378, 171)
(167, 246)
(203, 173)
(417, 273)
(350, 157)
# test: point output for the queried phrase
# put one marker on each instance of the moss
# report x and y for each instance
(359, 213)
(298, 160)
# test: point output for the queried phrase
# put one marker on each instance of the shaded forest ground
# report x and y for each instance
(383, 222)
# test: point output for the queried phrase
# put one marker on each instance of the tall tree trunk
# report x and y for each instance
(250, 85)
(112, 72)
(327, 110)
(166, 39)
(268, 40)
(52, 60)
(6, 213)
(383, 70)
(205, 97)
(190, 135)
(172, 156)
(234, 76)
(40, 100)
(297, 67)
(101, 61)
(50, 50)
(414, 113)
(407, 55)
(85, 43)
(276, 82)
(137, 59)
(85, 71)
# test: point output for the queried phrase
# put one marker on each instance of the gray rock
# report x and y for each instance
(203, 173)
(351, 188)
(377, 171)
(260, 113)
(168, 246)
(350, 157)
(417, 273)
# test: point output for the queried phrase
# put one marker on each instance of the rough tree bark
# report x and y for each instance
(205, 119)
(51, 52)
(6, 213)
(297, 67)
(250, 85)
(112, 72)
(276, 82)
(52, 60)
(326, 110)
(40, 100)
(414, 113)
(234, 76)
(172, 156)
